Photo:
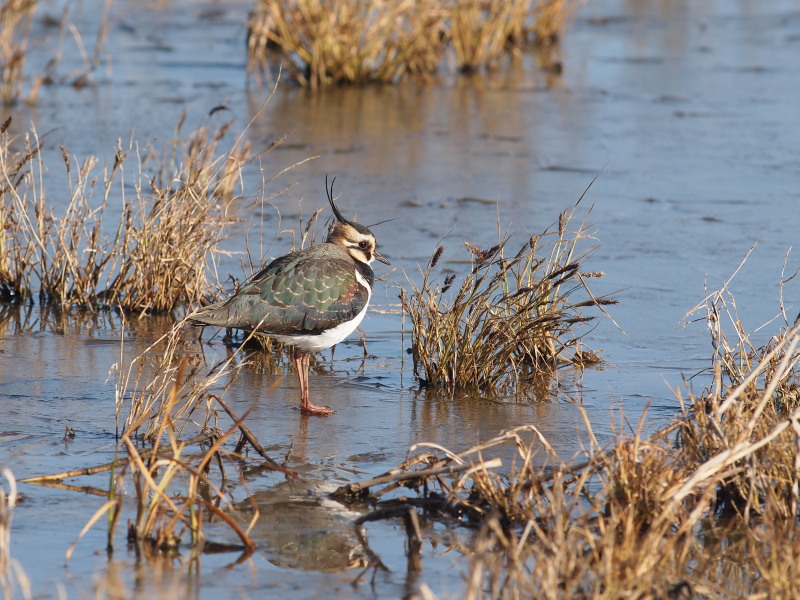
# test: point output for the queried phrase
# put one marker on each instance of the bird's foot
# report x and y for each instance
(313, 409)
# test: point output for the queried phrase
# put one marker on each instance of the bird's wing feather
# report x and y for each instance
(300, 293)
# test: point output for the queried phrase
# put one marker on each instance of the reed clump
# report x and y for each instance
(348, 41)
(173, 489)
(173, 402)
(176, 454)
(482, 32)
(153, 259)
(511, 322)
(705, 508)
(362, 41)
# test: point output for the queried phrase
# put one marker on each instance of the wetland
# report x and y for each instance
(677, 120)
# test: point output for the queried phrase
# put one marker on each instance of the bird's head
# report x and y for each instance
(357, 239)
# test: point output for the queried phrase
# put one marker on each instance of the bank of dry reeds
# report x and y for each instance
(155, 253)
(511, 322)
(361, 41)
(705, 508)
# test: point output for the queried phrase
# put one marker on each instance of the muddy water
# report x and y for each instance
(688, 112)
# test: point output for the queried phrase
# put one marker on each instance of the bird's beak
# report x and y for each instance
(377, 256)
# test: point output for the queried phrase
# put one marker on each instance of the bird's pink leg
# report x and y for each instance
(302, 361)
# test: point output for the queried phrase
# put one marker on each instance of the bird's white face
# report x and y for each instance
(359, 243)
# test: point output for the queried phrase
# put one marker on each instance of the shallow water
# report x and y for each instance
(686, 110)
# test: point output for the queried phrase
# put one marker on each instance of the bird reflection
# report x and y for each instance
(299, 527)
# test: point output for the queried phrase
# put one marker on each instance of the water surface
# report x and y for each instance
(686, 110)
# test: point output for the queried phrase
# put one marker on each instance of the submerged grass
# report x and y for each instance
(510, 324)
(361, 41)
(705, 508)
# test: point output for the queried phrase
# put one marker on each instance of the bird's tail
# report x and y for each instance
(213, 314)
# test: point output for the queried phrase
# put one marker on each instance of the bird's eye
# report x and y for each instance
(362, 244)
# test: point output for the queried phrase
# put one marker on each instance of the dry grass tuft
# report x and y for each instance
(511, 322)
(706, 508)
(348, 41)
(154, 259)
(481, 32)
(362, 41)
(173, 489)
(160, 508)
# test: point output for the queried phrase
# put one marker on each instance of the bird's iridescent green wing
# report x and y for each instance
(300, 293)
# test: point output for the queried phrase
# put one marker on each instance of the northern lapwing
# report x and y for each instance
(311, 299)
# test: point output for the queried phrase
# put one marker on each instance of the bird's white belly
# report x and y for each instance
(322, 341)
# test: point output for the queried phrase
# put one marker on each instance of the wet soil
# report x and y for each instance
(687, 111)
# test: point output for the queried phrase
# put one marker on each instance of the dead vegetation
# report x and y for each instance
(175, 456)
(362, 41)
(705, 508)
(347, 40)
(173, 489)
(23, 31)
(155, 257)
(15, 24)
(510, 323)
(482, 32)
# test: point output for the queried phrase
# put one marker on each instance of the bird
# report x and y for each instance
(311, 299)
